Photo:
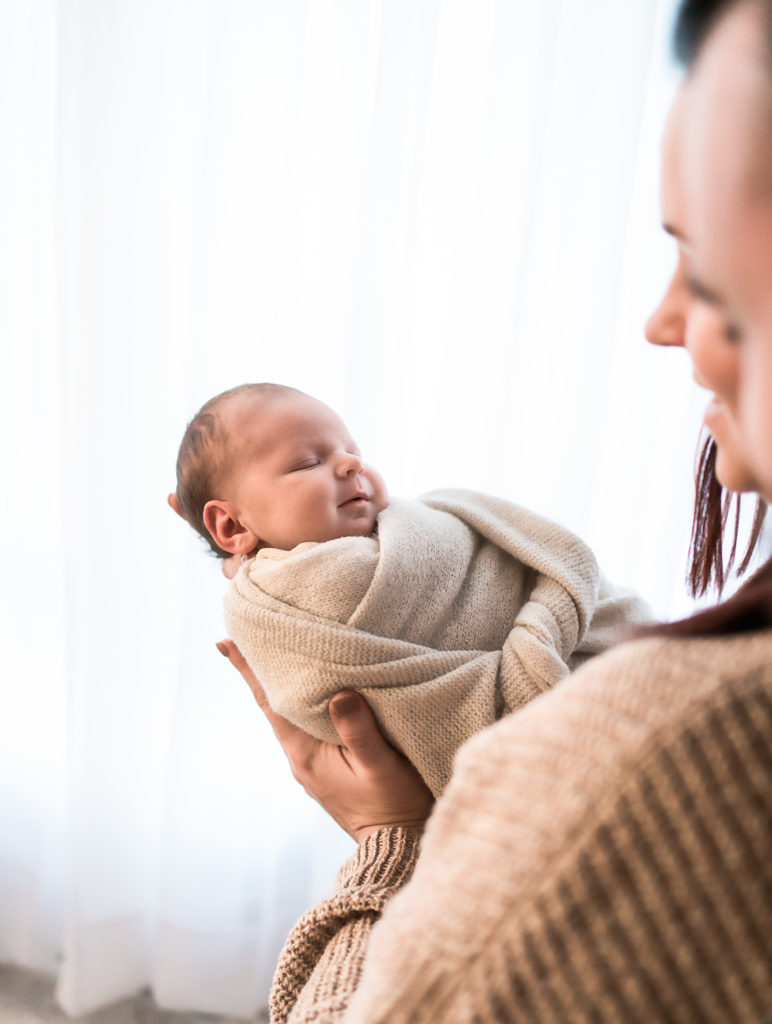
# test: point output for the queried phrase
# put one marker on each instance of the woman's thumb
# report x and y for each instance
(354, 723)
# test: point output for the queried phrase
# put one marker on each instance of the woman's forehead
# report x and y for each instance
(729, 92)
(672, 194)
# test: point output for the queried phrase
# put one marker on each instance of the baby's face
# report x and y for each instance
(297, 474)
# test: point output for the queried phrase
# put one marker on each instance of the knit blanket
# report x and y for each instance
(462, 608)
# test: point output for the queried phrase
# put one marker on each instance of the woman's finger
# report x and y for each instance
(295, 742)
(355, 723)
(368, 785)
(229, 649)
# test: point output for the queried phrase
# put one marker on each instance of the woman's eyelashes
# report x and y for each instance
(701, 293)
(698, 290)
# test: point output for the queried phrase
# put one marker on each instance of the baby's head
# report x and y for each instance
(264, 465)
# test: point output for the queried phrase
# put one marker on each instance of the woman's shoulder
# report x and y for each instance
(689, 665)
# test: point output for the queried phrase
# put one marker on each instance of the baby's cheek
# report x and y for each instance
(379, 486)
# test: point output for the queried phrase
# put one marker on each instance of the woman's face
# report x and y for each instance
(683, 318)
(727, 163)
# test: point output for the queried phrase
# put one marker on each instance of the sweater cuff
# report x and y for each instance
(384, 859)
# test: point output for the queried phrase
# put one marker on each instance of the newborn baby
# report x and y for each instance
(446, 612)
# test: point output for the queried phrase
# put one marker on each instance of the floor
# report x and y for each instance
(28, 998)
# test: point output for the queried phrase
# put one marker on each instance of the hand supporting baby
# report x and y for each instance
(363, 784)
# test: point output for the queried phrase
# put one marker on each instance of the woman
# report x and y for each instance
(604, 854)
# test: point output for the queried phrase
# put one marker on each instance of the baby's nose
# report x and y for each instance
(350, 464)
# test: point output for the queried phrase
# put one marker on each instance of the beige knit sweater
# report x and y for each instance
(603, 855)
(461, 609)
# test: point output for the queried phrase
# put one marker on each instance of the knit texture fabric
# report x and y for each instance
(461, 609)
(605, 854)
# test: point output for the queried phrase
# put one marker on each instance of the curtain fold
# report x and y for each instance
(440, 217)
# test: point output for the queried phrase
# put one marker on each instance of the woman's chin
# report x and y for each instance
(733, 474)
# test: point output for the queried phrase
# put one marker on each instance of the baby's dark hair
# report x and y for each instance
(203, 456)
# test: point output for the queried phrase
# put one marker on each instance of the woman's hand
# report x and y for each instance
(364, 784)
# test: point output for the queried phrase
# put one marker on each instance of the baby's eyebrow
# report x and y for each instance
(297, 451)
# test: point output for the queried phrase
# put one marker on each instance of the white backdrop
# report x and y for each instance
(440, 216)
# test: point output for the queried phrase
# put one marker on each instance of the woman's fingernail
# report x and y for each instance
(222, 649)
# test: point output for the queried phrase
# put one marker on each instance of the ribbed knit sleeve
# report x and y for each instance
(605, 854)
(322, 959)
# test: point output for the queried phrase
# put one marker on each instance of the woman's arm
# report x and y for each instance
(380, 800)
(322, 960)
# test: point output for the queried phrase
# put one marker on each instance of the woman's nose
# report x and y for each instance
(667, 324)
(665, 330)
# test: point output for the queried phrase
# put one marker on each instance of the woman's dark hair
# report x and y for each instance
(708, 565)
(750, 608)
(747, 610)
(694, 20)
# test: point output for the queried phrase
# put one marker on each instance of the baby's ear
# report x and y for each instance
(174, 502)
(227, 530)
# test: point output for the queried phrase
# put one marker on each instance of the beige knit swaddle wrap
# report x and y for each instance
(462, 608)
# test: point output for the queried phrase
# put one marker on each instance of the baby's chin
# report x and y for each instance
(361, 528)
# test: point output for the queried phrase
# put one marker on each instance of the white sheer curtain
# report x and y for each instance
(440, 216)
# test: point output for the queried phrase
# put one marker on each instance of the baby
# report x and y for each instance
(447, 612)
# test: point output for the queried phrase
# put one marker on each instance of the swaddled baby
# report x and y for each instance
(446, 612)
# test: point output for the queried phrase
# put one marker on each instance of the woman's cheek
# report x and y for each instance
(755, 409)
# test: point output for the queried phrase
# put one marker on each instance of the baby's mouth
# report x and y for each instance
(358, 499)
